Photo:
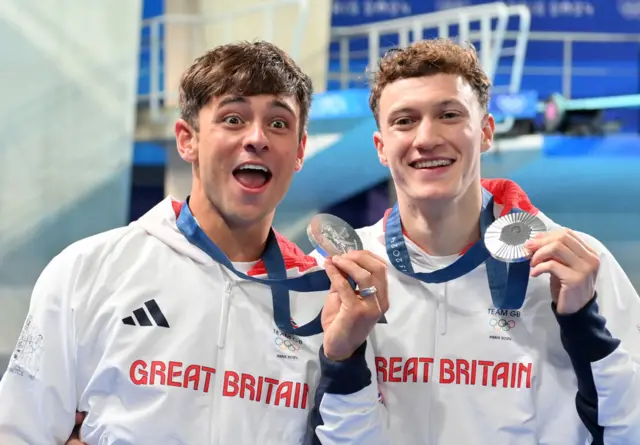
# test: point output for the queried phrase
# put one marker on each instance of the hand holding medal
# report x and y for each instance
(572, 263)
(350, 311)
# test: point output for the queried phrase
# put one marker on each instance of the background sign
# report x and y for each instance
(621, 16)
(523, 105)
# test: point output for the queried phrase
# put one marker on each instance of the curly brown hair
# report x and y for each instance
(429, 57)
(243, 69)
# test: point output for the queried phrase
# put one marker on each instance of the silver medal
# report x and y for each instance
(331, 235)
(505, 238)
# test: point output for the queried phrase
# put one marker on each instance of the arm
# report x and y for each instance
(37, 393)
(603, 342)
(347, 407)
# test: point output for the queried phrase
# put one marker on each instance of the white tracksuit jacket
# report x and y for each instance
(453, 370)
(160, 345)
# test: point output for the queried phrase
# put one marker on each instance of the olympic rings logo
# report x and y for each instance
(502, 324)
(286, 344)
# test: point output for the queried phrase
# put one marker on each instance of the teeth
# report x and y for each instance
(254, 167)
(432, 163)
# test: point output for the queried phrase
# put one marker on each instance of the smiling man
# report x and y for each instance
(165, 332)
(542, 352)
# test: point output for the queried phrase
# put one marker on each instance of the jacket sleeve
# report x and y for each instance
(347, 405)
(603, 342)
(37, 392)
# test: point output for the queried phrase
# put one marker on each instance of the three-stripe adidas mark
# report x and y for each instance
(143, 319)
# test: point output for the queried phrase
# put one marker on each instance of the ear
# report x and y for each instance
(488, 129)
(186, 139)
(300, 153)
(379, 144)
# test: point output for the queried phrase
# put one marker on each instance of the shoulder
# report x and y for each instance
(98, 246)
(82, 260)
(373, 232)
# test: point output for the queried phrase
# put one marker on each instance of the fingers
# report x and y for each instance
(555, 250)
(339, 283)
(565, 247)
(367, 270)
(361, 276)
(74, 439)
(566, 237)
(554, 268)
(377, 268)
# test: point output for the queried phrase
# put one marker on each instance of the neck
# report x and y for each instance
(443, 228)
(239, 242)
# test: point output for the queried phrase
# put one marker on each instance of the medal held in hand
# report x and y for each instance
(331, 235)
(505, 238)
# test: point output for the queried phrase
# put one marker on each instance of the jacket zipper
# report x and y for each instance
(220, 362)
(441, 329)
(224, 313)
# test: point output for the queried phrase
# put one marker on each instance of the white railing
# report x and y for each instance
(489, 40)
(196, 32)
(566, 70)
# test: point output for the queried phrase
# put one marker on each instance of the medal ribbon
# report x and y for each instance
(507, 282)
(278, 281)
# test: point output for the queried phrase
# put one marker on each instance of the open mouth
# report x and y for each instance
(431, 164)
(252, 176)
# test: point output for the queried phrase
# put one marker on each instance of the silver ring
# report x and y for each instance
(368, 291)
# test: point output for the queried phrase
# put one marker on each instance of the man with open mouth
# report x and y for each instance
(196, 324)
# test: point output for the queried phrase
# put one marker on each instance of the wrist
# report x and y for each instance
(337, 358)
(348, 376)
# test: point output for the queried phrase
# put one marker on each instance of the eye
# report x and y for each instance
(279, 123)
(450, 115)
(232, 120)
(403, 121)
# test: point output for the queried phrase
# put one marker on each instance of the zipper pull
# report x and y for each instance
(224, 313)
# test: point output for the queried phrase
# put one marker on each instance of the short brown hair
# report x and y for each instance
(429, 57)
(244, 69)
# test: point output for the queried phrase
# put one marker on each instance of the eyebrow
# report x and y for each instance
(231, 100)
(448, 103)
(441, 104)
(275, 103)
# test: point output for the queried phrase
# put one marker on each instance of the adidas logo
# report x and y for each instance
(140, 315)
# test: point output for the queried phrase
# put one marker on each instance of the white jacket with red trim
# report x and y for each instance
(452, 369)
(160, 345)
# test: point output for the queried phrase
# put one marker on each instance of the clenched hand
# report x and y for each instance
(348, 317)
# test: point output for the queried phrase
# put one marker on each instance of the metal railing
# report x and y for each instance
(413, 28)
(566, 70)
(568, 39)
(491, 36)
(489, 39)
(195, 30)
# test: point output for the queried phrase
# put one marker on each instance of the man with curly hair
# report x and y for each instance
(545, 351)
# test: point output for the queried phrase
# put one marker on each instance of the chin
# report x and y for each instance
(245, 213)
(433, 192)
(253, 211)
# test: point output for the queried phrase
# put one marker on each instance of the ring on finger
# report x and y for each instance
(368, 291)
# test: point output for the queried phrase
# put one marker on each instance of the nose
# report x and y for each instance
(256, 140)
(428, 135)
